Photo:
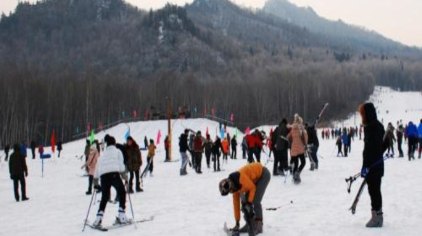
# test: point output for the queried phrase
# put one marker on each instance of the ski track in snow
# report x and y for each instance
(192, 205)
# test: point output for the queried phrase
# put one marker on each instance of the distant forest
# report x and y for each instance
(71, 64)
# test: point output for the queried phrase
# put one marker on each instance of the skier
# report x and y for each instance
(33, 146)
(191, 137)
(91, 164)
(216, 153)
(23, 149)
(390, 139)
(150, 156)
(109, 168)
(6, 152)
(412, 136)
(167, 148)
(338, 143)
(313, 144)
(183, 148)
(208, 149)
(399, 135)
(298, 139)
(225, 148)
(345, 141)
(60, 148)
(234, 147)
(198, 149)
(86, 150)
(18, 171)
(280, 146)
(244, 147)
(420, 138)
(373, 162)
(248, 186)
(134, 163)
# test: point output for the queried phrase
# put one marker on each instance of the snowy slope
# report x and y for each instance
(192, 205)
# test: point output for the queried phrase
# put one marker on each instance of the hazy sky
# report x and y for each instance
(400, 20)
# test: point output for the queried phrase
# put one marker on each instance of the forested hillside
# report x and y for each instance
(69, 64)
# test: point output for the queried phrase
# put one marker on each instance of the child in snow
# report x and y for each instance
(248, 186)
(150, 156)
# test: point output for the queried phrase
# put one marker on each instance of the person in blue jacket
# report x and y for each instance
(420, 138)
(345, 141)
(412, 139)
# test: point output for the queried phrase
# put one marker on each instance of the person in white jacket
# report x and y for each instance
(110, 168)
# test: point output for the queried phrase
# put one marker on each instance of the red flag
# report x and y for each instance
(53, 141)
(157, 141)
(206, 132)
(247, 130)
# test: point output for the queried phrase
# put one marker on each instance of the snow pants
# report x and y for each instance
(261, 186)
(374, 189)
(107, 181)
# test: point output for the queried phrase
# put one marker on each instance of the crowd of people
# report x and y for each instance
(119, 165)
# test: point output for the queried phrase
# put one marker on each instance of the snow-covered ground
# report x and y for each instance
(192, 205)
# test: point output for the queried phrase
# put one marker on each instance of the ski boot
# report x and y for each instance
(121, 218)
(376, 220)
(98, 220)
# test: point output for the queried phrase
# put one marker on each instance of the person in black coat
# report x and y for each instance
(280, 146)
(60, 147)
(183, 148)
(373, 162)
(6, 151)
(18, 171)
(234, 147)
(33, 146)
(313, 145)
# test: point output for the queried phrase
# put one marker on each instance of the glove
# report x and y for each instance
(248, 209)
(124, 176)
(364, 172)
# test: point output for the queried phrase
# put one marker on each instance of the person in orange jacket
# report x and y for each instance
(248, 186)
(225, 147)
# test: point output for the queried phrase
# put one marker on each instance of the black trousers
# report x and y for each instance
(198, 161)
(107, 181)
(216, 160)
(132, 174)
(250, 155)
(208, 157)
(16, 180)
(399, 142)
(346, 148)
(295, 161)
(412, 146)
(234, 153)
(277, 161)
(374, 189)
(33, 153)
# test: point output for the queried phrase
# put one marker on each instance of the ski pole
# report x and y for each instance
(89, 208)
(130, 203)
(276, 208)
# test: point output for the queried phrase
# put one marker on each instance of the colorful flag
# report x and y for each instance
(222, 133)
(127, 134)
(157, 141)
(53, 141)
(91, 137)
(247, 130)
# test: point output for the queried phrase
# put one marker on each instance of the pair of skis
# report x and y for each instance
(119, 225)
